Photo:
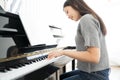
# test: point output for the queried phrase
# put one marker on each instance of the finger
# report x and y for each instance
(50, 57)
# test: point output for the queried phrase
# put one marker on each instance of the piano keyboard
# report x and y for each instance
(26, 65)
(15, 73)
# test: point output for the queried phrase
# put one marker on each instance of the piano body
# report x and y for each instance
(17, 57)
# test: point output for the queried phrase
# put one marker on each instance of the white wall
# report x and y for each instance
(2, 3)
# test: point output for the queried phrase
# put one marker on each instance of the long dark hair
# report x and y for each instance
(83, 9)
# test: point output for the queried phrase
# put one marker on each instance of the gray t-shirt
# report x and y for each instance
(89, 34)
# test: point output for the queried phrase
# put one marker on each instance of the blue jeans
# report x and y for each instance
(80, 75)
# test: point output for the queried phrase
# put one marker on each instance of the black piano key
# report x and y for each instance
(14, 66)
(39, 59)
(8, 69)
(23, 64)
(33, 61)
(27, 63)
(19, 65)
(2, 69)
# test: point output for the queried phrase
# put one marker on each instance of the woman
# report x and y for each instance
(91, 54)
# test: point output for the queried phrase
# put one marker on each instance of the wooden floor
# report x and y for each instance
(115, 73)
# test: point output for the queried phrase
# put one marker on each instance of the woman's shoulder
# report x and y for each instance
(88, 18)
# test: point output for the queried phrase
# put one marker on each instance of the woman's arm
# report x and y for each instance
(92, 54)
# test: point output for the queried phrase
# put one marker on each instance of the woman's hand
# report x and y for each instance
(55, 54)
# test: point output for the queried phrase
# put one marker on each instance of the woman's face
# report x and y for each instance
(72, 13)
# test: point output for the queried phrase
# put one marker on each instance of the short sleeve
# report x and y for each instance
(90, 32)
